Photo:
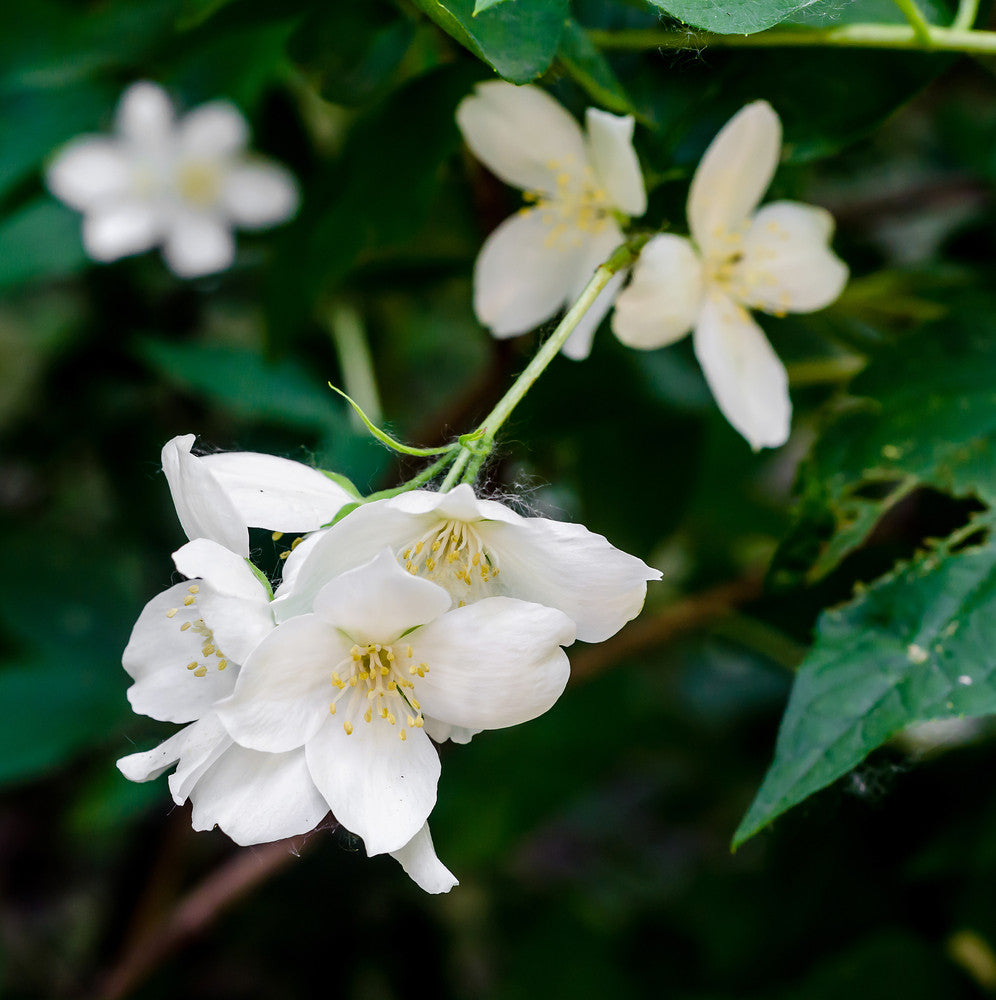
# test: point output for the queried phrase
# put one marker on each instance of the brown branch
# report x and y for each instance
(669, 623)
(195, 912)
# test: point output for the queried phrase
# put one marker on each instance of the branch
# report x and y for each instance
(669, 623)
(195, 912)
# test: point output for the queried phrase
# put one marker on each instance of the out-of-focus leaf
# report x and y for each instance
(42, 240)
(518, 39)
(481, 5)
(591, 70)
(354, 50)
(918, 645)
(195, 12)
(824, 14)
(924, 415)
(731, 17)
(245, 383)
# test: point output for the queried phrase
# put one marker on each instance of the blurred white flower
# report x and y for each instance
(357, 681)
(581, 186)
(182, 184)
(475, 549)
(221, 496)
(776, 259)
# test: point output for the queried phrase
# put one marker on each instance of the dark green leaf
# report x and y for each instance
(733, 17)
(918, 645)
(518, 39)
(40, 241)
(591, 70)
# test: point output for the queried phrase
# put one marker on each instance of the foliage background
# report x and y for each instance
(593, 844)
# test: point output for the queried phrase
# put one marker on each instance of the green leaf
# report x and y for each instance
(518, 40)
(343, 481)
(196, 12)
(916, 646)
(924, 414)
(481, 5)
(42, 240)
(244, 382)
(590, 70)
(353, 50)
(733, 17)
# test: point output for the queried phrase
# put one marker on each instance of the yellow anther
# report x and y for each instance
(411, 720)
(200, 671)
(371, 694)
(348, 726)
(476, 559)
(410, 567)
(415, 704)
(222, 664)
(171, 612)
(419, 722)
(277, 535)
(390, 656)
(435, 545)
(192, 665)
(207, 649)
(296, 543)
(392, 686)
(402, 735)
(406, 554)
(409, 651)
(384, 671)
(188, 600)
(368, 715)
(285, 554)
(430, 564)
(193, 589)
(352, 681)
(418, 548)
(391, 718)
(413, 669)
(383, 712)
(331, 708)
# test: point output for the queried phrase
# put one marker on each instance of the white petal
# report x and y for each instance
(788, 265)
(150, 764)
(207, 739)
(524, 274)
(284, 689)
(157, 655)
(259, 194)
(663, 299)
(145, 115)
(610, 149)
(212, 131)
(596, 252)
(89, 172)
(494, 663)
(119, 229)
(276, 493)
(378, 786)
(521, 134)
(744, 373)
(418, 858)
(734, 173)
(257, 797)
(202, 505)
(568, 567)
(197, 245)
(226, 572)
(353, 541)
(379, 601)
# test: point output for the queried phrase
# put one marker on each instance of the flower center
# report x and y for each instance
(198, 182)
(578, 208)
(200, 667)
(377, 687)
(739, 275)
(452, 555)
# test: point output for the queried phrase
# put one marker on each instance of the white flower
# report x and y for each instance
(182, 184)
(357, 681)
(221, 496)
(776, 259)
(184, 655)
(475, 549)
(581, 186)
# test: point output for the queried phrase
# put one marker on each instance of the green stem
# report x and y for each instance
(426, 475)
(853, 36)
(967, 12)
(484, 436)
(916, 20)
(351, 345)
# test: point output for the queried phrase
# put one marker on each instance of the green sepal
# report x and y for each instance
(261, 576)
(347, 484)
(343, 511)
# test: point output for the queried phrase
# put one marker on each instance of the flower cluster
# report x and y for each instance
(582, 188)
(182, 184)
(413, 620)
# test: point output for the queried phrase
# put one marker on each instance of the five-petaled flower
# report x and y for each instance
(359, 680)
(776, 259)
(179, 183)
(580, 187)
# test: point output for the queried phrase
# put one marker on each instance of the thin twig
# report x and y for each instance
(669, 623)
(195, 912)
